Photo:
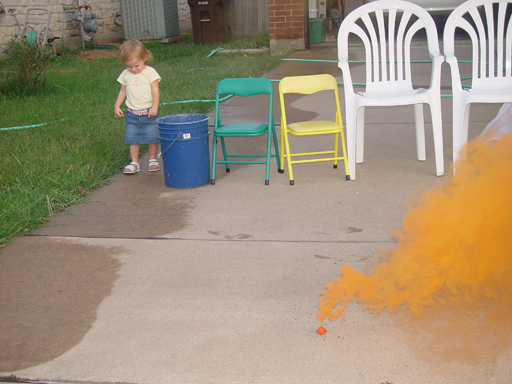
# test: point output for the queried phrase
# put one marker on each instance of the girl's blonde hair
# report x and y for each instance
(134, 49)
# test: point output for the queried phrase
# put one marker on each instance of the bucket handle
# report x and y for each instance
(161, 153)
(177, 137)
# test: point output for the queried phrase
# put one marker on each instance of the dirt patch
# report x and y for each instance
(95, 54)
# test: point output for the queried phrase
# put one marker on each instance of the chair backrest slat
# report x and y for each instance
(491, 70)
(244, 86)
(307, 84)
(372, 49)
(418, 24)
(508, 53)
(501, 21)
(490, 31)
(383, 59)
(386, 29)
(392, 42)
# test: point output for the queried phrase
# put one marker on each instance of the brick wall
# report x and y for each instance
(286, 25)
(63, 23)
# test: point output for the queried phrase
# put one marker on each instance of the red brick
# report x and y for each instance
(277, 19)
(278, 7)
(283, 13)
(294, 7)
(285, 36)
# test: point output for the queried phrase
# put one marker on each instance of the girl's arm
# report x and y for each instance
(119, 101)
(155, 92)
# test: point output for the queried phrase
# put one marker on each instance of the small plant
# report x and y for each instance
(25, 66)
(261, 41)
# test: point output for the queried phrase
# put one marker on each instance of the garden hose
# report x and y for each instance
(103, 113)
(31, 38)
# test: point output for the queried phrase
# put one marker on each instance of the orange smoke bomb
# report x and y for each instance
(454, 250)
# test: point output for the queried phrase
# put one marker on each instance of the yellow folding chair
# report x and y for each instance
(308, 85)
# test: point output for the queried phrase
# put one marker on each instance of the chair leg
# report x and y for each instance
(437, 128)
(288, 157)
(276, 149)
(214, 158)
(351, 127)
(360, 135)
(419, 122)
(335, 165)
(460, 130)
(464, 131)
(281, 161)
(224, 153)
(267, 165)
(344, 150)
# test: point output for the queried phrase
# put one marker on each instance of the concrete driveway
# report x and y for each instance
(220, 284)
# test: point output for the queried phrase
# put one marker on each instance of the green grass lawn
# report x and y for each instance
(47, 168)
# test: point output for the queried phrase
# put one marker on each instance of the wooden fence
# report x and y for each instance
(248, 18)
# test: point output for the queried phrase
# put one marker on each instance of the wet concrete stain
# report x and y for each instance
(238, 236)
(50, 291)
(135, 206)
(323, 257)
(362, 259)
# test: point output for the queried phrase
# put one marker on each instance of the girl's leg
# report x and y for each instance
(134, 153)
(152, 149)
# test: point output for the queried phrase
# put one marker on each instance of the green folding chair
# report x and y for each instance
(244, 87)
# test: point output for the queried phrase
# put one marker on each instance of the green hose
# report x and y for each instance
(31, 38)
(103, 113)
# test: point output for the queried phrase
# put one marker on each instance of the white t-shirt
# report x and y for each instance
(138, 88)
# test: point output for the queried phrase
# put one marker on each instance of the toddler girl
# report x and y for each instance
(140, 88)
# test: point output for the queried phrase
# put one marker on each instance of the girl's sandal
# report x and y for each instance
(154, 163)
(133, 167)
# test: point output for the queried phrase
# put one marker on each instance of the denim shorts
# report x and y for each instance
(141, 129)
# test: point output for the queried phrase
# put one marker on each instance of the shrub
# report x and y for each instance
(25, 67)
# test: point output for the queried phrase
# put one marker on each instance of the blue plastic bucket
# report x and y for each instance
(185, 150)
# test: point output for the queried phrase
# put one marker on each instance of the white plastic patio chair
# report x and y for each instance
(387, 43)
(491, 77)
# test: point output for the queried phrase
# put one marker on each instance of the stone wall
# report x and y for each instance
(183, 10)
(63, 23)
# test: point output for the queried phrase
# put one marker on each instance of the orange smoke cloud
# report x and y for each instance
(454, 251)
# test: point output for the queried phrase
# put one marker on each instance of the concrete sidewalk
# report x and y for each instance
(220, 284)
